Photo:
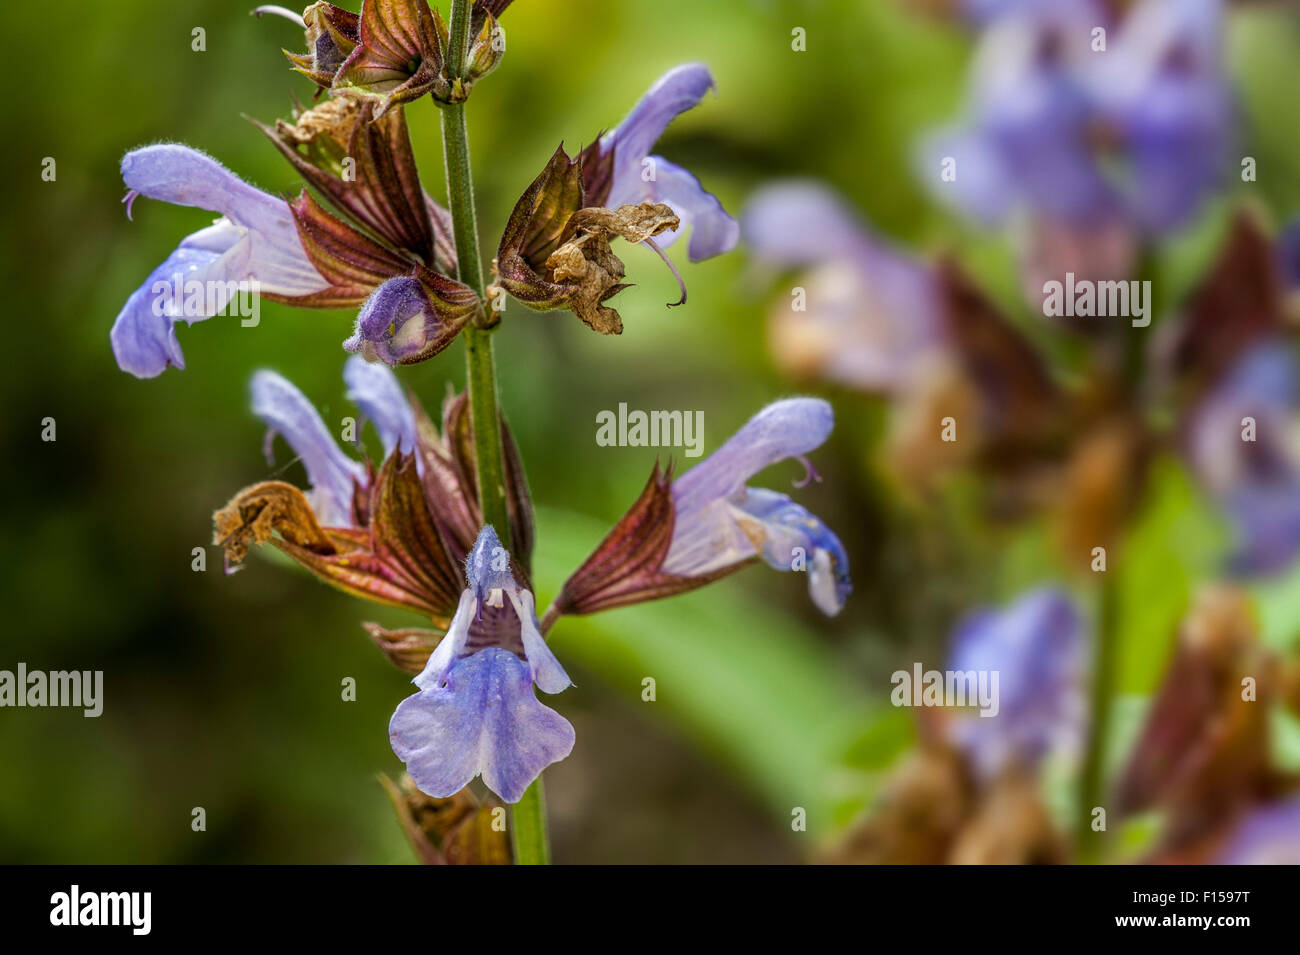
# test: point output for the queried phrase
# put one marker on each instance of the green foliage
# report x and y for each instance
(1176, 543)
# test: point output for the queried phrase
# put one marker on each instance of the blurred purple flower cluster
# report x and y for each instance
(1095, 134)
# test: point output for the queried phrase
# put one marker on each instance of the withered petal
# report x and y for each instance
(398, 560)
(259, 511)
(555, 251)
(586, 263)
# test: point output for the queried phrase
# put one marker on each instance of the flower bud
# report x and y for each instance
(332, 34)
(486, 51)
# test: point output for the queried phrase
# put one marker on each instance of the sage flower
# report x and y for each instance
(411, 308)
(1136, 136)
(686, 532)
(389, 249)
(476, 713)
(1241, 443)
(254, 240)
(1268, 835)
(334, 476)
(876, 319)
(555, 252)
(1036, 646)
(397, 533)
(871, 315)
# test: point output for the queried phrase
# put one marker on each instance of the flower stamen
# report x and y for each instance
(672, 268)
(810, 473)
(279, 12)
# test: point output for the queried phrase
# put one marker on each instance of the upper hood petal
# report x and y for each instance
(377, 392)
(784, 429)
(288, 412)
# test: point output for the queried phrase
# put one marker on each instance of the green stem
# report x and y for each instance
(528, 835)
(1093, 776)
(480, 366)
(528, 818)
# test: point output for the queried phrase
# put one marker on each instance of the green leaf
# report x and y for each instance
(1177, 543)
(1278, 603)
(1285, 733)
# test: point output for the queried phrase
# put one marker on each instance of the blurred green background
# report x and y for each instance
(225, 692)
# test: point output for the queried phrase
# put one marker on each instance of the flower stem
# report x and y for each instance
(1093, 776)
(528, 819)
(480, 366)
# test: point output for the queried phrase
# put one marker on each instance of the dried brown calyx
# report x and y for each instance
(556, 251)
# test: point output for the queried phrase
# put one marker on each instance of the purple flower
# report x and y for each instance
(1164, 92)
(867, 315)
(334, 476)
(476, 712)
(1028, 139)
(1050, 117)
(1035, 646)
(398, 324)
(1268, 836)
(682, 534)
(987, 11)
(254, 241)
(872, 314)
(638, 176)
(720, 523)
(1253, 470)
(376, 391)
